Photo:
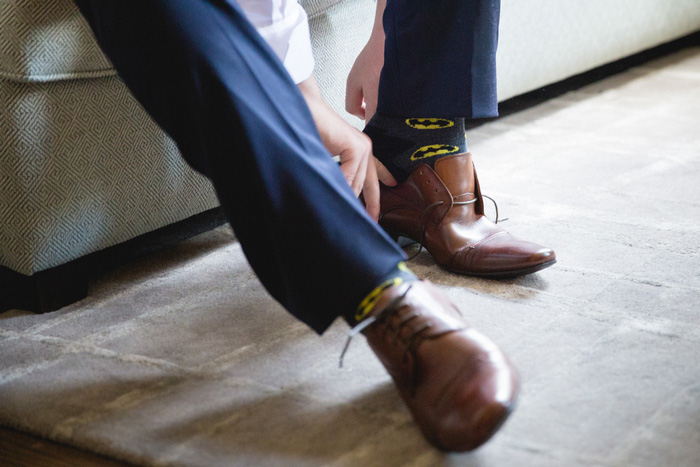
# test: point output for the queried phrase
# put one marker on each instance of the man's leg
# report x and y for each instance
(440, 69)
(440, 59)
(208, 79)
(213, 85)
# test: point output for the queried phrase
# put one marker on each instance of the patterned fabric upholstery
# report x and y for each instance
(82, 166)
(317, 7)
(46, 40)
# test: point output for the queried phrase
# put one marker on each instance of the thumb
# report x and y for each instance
(384, 175)
(354, 101)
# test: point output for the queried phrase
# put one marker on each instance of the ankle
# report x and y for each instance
(403, 143)
(400, 275)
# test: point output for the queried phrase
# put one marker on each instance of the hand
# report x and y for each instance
(362, 87)
(361, 170)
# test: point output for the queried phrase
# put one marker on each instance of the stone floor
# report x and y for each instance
(181, 359)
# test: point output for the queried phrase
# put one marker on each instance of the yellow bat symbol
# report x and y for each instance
(433, 150)
(429, 123)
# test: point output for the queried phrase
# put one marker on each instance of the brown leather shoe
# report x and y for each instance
(443, 209)
(458, 385)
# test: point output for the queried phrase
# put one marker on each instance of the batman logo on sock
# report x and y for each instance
(429, 123)
(433, 150)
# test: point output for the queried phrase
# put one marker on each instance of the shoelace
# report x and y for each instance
(390, 308)
(410, 343)
(440, 203)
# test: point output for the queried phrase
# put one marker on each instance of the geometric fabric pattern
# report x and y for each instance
(317, 7)
(47, 40)
(82, 168)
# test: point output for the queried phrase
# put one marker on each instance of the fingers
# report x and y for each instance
(353, 164)
(383, 174)
(371, 191)
(361, 174)
(349, 168)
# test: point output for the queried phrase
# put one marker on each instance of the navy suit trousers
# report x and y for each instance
(211, 82)
(440, 58)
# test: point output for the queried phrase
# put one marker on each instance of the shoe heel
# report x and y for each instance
(400, 239)
(394, 236)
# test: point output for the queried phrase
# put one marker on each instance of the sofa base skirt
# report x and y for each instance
(63, 285)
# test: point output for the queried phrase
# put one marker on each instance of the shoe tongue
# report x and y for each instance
(457, 173)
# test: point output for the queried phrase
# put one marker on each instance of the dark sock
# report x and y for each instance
(398, 276)
(402, 143)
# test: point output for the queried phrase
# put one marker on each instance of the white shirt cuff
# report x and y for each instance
(285, 27)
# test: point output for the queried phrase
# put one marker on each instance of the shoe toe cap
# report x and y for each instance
(503, 254)
(478, 408)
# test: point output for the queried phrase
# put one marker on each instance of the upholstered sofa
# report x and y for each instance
(83, 168)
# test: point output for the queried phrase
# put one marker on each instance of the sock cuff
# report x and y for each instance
(398, 276)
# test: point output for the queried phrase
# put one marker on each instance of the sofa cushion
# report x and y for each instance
(48, 40)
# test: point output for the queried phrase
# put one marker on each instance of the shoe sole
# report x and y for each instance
(404, 241)
(503, 274)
